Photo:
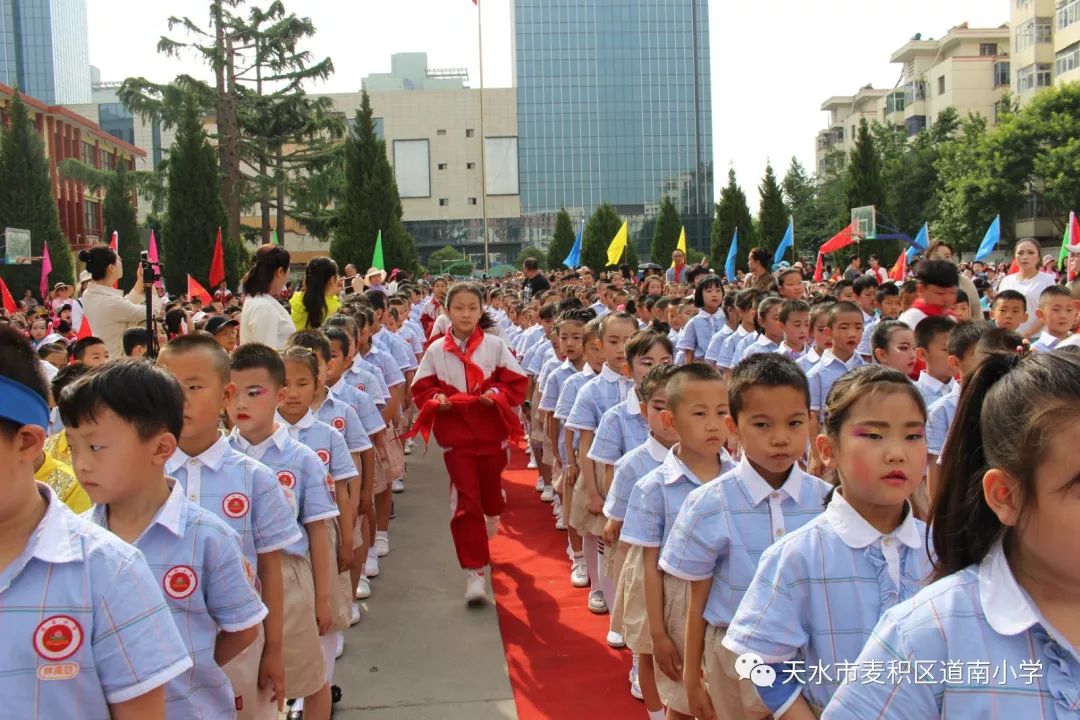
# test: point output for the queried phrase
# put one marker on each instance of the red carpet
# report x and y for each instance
(560, 667)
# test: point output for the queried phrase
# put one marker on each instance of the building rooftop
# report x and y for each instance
(917, 46)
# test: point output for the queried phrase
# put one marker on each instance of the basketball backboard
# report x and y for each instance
(864, 222)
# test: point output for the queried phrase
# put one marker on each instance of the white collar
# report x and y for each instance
(303, 423)
(674, 469)
(785, 350)
(812, 353)
(931, 383)
(279, 438)
(1006, 606)
(212, 457)
(340, 386)
(1050, 341)
(587, 370)
(828, 357)
(857, 533)
(656, 451)
(172, 515)
(609, 375)
(759, 489)
(764, 341)
(703, 313)
(741, 331)
(866, 318)
(633, 403)
(53, 541)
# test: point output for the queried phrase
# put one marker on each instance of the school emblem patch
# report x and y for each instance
(236, 505)
(180, 582)
(338, 423)
(330, 485)
(360, 387)
(324, 455)
(287, 479)
(58, 637)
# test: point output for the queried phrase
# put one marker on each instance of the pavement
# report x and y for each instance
(418, 652)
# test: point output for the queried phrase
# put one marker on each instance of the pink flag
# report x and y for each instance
(152, 255)
(46, 268)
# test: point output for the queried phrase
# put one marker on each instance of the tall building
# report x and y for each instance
(44, 49)
(1045, 44)
(845, 113)
(614, 104)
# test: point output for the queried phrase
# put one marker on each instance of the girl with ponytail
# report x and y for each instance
(1004, 535)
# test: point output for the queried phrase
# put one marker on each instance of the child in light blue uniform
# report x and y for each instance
(770, 328)
(932, 348)
(708, 298)
(134, 410)
(1004, 609)
(746, 302)
(845, 322)
(93, 637)
(820, 590)
(724, 526)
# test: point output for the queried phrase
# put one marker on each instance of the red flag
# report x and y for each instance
(217, 264)
(1014, 268)
(9, 302)
(819, 269)
(114, 244)
(195, 290)
(84, 328)
(899, 270)
(840, 240)
(46, 268)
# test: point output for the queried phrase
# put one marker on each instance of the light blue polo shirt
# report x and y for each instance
(634, 466)
(621, 429)
(822, 376)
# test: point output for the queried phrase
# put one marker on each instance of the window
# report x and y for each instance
(1044, 30)
(1025, 35)
(915, 124)
(894, 103)
(469, 132)
(1001, 73)
(470, 166)
(988, 49)
(1025, 78)
(1068, 59)
(89, 154)
(941, 85)
(440, 132)
(472, 201)
(914, 91)
(442, 166)
(90, 217)
(1068, 14)
(444, 202)
(1044, 75)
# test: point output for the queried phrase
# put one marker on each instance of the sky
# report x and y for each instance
(773, 61)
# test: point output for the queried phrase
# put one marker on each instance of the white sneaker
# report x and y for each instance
(532, 463)
(539, 484)
(560, 524)
(635, 686)
(363, 589)
(475, 587)
(339, 650)
(398, 486)
(492, 525)
(579, 574)
(596, 602)
(371, 567)
(615, 640)
(354, 617)
(548, 495)
(382, 546)
(408, 447)
(556, 506)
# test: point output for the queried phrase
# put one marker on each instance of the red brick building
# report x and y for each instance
(69, 135)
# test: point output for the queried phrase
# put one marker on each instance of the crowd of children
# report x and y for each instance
(788, 503)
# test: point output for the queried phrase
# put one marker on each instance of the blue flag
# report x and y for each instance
(729, 265)
(574, 258)
(786, 243)
(920, 243)
(990, 240)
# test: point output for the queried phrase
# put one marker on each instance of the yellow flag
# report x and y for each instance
(682, 243)
(618, 246)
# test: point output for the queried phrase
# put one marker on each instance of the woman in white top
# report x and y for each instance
(109, 311)
(1030, 282)
(264, 319)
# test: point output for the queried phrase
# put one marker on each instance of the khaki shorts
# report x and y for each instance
(580, 518)
(732, 698)
(340, 598)
(358, 533)
(630, 603)
(676, 605)
(393, 468)
(243, 673)
(614, 562)
(549, 452)
(305, 670)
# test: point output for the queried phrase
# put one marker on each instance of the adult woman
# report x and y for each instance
(677, 272)
(263, 319)
(941, 250)
(319, 298)
(759, 263)
(109, 311)
(1029, 281)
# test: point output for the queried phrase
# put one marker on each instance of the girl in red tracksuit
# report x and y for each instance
(467, 387)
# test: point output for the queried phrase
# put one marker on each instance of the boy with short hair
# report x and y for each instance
(135, 341)
(96, 638)
(887, 303)
(932, 349)
(90, 351)
(845, 322)
(131, 413)
(961, 309)
(844, 291)
(865, 288)
(937, 284)
(259, 375)
(1057, 314)
(240, 491)
(721, 350)
(724, 526)
(1009, 310)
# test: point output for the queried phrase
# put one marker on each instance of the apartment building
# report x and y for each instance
(845, 112)
(1045, 43)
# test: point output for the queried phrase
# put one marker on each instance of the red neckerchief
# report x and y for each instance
(677, 274)
(474, 376)
(927, 309)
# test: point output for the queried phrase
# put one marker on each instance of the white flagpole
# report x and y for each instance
(483, 158)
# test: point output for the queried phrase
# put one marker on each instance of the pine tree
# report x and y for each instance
(864, 185)
(371, 202)
(531, 252)
(26, 202)
(731, 212)
(563, 240)
(600, 230)
(666, 234)
(194, 210)
(772, 212)
(119, 216)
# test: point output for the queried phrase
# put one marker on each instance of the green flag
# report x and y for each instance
(377, 259)
(273, 238)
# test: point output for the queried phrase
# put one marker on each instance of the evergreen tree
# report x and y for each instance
(600, 230)
(371, 202)
(666, 234)
(562, 241)
(773, 213)
(731, 212)
(864, 185)
(448, 261)
(531, 252)
(26, 202)
(194, 210)
(119, 217)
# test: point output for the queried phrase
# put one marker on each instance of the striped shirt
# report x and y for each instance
(725, 526)
(634, 466)
(699, 331)
(822, 376)
(383, 360)
(599, 395)
(933, 389)
(362, 404)
(724, 356)
(328, 444)
(365, 378)
(208, 586)
(762, 345)
(338, 415)
(396, 347)
(621, 429)
(716, 342)
(939, 418)
(808, 360)
(549, 393)
(817, 595)
(567, 397)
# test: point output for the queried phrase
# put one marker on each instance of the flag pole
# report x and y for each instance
(483, 158)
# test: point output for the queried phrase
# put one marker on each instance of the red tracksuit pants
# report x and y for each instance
(475, 491)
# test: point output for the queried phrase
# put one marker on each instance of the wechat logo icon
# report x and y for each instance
(750, 666)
